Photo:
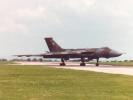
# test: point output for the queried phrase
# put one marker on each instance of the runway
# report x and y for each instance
(125, 70)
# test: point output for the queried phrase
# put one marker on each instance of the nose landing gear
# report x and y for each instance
(97, 64)
(82, 62)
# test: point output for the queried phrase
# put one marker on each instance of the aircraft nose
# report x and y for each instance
(115, 53)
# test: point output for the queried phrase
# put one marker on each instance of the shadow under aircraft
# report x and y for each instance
(56, 51)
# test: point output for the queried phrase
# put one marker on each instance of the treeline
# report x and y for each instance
(1, 60)
(50, 60)
(29, 59)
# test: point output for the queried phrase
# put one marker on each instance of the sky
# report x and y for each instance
(72, 23)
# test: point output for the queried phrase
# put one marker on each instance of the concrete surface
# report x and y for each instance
(125, 70)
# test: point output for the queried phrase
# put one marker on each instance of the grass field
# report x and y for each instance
(44, 83)
(117, 63)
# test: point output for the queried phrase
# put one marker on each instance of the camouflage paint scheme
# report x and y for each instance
(55, 51)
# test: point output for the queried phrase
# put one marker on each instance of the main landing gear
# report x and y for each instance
(97, 64)
(82, 62)
(62, 62)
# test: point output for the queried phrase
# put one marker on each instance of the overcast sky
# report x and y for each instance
(73, 24)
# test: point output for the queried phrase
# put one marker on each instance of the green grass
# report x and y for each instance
(6, 62)
(115, 63)
(44, 83)
(118, 63)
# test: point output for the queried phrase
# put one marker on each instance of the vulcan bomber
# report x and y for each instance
(56, 51)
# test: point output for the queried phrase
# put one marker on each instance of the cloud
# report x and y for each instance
(39, 12)
(78, 6)
(9, 25)
(85, 23)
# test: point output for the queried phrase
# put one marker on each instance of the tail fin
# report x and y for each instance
(52, 45)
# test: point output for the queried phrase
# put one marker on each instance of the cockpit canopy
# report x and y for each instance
(106, 48)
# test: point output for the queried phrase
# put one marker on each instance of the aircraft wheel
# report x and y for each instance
(62, 64)
(97, 64)
(82, 64)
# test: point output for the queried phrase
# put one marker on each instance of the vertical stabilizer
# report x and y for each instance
(52, 45)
